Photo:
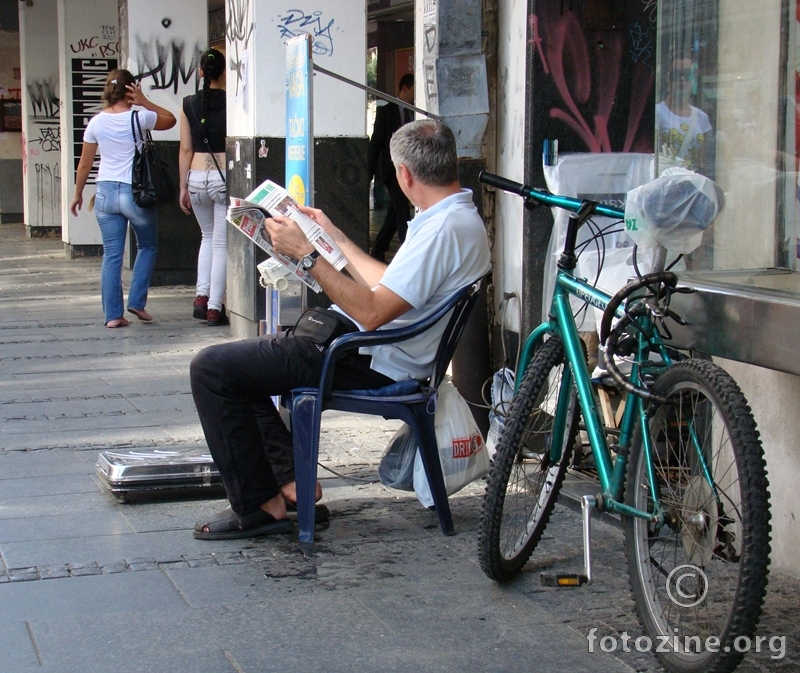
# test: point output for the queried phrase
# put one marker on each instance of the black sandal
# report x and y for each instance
(321, 512)
(228, 525)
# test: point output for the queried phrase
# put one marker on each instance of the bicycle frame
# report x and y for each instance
(611, 473)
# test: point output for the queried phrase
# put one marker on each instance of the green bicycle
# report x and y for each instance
(686, 471)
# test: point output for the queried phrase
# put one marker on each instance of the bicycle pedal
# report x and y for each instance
(564, 579)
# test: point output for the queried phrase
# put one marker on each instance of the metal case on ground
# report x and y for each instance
(124, 471)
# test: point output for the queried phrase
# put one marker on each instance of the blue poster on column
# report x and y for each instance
(299, 120)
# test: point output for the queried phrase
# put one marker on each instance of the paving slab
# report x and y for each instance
(16, 465)
(74, 525)
(132, 592)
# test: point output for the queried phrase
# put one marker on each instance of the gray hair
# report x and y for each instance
(427, 148)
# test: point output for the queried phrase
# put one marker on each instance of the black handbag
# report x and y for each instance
(150, 181)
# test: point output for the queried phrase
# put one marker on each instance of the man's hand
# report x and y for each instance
(364, 269)
(287, 237)
(323, 221)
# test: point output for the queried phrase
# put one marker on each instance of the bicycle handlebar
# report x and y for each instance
(544, 197)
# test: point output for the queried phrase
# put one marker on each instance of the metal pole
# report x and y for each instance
(379, 94)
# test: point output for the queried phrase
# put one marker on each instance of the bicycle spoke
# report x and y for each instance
(687, 574)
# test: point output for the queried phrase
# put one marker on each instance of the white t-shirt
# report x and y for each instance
(446, 248)
(112, 133)
(681, 138)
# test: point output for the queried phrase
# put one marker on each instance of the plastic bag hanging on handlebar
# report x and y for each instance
(673, 210)
(604, 177)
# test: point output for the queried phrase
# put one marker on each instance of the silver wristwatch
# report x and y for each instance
(309, 260)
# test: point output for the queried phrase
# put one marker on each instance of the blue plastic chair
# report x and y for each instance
(411, 401)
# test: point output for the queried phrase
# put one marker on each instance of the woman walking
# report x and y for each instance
(202, 186)
(110, 133)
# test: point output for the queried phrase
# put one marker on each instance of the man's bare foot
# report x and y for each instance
(289, 492)
(275, 506)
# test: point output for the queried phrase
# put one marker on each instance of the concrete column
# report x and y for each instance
(41, 108)
(10, 85)
(160, 43)
(451, 81)
(257, 122)
(88, 47)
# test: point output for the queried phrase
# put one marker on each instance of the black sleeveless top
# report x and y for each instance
(215, 126)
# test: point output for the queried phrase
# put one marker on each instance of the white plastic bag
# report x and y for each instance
(462, 452)
(396, 469)
(673, 210)
(502, 392)
(604, 177)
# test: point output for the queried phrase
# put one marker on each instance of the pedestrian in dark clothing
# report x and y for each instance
(389, 118)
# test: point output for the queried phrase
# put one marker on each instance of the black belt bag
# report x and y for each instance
(322, 326)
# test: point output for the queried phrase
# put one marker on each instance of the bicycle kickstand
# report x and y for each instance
(549, 579)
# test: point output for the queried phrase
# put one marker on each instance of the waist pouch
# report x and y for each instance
(322, 326)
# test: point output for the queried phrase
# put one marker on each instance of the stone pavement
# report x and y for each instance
(89, 584)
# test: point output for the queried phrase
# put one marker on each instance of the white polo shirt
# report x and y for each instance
(111, 131)
(446, 248)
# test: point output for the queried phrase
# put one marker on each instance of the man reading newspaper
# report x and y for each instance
(249, 216)
(445, 249)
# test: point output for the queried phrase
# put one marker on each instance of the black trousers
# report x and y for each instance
(396, 219)
(232, 386)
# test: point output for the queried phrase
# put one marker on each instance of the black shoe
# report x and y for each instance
(216, 317)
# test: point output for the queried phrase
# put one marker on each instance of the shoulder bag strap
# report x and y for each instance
(135, 117)
(208, 146)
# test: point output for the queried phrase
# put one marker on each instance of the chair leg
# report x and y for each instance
(429, 453)
(305, 439)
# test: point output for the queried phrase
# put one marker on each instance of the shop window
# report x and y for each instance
(10, 114)
(727, 106)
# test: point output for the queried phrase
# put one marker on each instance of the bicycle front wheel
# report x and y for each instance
(525, 478)
(699, 578)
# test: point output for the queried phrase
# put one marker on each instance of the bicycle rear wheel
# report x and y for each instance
(703, 573)
(521, 491)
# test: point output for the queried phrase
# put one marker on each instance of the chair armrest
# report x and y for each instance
(354, 340)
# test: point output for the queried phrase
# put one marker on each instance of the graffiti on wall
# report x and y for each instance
(166, 65)
(104, 45)
(46, 139)
(43, 95)
(44, 117)
(588, 78)
(295, 22)
(651, 10)
(238, 31)
(643, 46)
(46, 199)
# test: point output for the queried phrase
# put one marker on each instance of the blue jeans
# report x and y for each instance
(114, 208)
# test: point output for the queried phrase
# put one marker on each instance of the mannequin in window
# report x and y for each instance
(683, 130)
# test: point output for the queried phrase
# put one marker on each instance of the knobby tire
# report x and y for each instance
(719, 525)
(521, 493)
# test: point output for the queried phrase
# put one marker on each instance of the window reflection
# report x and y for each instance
(726, 86)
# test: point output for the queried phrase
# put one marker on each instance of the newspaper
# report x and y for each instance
(269, 200)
